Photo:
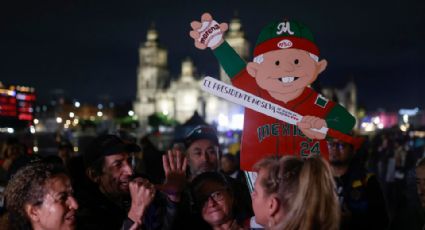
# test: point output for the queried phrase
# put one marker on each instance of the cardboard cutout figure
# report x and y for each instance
(286, 61)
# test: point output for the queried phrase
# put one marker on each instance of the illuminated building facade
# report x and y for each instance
(157, 92)
(347, 97)
(179, 98)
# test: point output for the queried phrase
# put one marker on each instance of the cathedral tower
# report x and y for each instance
(152, 74)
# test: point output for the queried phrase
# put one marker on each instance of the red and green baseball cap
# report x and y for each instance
(285, 35)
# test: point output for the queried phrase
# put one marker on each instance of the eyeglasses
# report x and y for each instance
(216, 196)
(340, 145)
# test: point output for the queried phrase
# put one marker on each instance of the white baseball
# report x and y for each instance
(205, 24)
(210, 33)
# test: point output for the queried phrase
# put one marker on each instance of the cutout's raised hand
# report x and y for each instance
(207, 32)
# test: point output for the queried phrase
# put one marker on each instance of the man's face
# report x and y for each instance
(227, 165)
(340, 153)
(116, 174)
(420, 184)
(58, 208)
(287, 70)
(202, 156)
(64, 154)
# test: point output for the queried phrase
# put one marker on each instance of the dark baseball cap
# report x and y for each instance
(201, 132)
(106, 145)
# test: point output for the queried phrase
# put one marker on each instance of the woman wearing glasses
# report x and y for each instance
(214, 199)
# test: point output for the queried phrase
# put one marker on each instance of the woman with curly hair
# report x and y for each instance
(292, 193)
(39, 196)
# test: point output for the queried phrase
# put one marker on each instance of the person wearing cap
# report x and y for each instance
(361, 198)
(202, 150)
(118, 199)
(286, 61)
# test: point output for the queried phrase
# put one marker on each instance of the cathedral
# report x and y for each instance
(179, 98)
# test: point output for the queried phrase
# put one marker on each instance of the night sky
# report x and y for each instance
(89, 48)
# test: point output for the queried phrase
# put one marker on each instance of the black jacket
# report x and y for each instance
(362, 200)
(96, 211)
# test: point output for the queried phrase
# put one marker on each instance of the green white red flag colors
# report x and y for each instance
(248, 100)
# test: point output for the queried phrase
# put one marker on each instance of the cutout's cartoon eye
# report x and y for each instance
(277, 63)
(296, 61)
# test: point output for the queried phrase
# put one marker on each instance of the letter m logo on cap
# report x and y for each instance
(283, 35)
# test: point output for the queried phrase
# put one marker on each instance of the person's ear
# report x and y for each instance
(93, 175)
(252, 68)
(273, 206)
(32, 213)
(321, 66)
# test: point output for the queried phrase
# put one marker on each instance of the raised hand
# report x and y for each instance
(310, 122)
(207, 32)
(142, 193)
(174, 164)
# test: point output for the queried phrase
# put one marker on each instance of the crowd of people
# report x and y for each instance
(113, 185)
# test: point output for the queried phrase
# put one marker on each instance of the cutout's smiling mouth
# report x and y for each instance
(287, 79)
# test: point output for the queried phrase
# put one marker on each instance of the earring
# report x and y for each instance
(271, 223)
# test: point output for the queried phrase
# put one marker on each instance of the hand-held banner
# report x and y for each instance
(248, 100)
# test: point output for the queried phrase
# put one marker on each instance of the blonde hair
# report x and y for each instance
(306, 190)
